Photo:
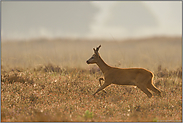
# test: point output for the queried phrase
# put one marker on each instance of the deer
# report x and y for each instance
(139, 77)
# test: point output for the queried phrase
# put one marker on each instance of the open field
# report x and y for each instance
(50, 81)
(147, 53)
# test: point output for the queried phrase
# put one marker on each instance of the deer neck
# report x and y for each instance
(102, 65)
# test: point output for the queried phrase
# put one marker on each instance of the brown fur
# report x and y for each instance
(139, 77)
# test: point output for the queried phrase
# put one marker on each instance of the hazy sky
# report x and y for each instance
(96, 19)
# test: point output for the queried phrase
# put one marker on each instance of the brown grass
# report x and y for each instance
(147, 53)
(54, 92)
(66, 95)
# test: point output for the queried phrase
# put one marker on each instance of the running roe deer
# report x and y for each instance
(139, 77)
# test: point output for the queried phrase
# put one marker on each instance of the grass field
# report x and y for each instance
(49, 80)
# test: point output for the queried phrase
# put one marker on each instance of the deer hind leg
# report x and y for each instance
(141, 83)
(153, 88)
(101, 84)
(145, 90)
(102, 87)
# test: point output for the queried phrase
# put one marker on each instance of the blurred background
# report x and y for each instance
(90, 19)
(132, 33)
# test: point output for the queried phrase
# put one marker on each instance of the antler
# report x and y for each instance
(98, 48)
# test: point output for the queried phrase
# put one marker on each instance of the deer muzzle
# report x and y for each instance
(87, 62)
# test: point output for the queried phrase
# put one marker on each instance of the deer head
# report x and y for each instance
(94, 57)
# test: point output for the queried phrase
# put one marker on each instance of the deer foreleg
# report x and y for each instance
(102, 87)
(100, 81)
(101, 84)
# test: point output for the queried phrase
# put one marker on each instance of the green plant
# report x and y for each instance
(88, 114)
(155, 120)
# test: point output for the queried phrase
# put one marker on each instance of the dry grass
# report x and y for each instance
(147, 53)
(60, 92)
(66, 95)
